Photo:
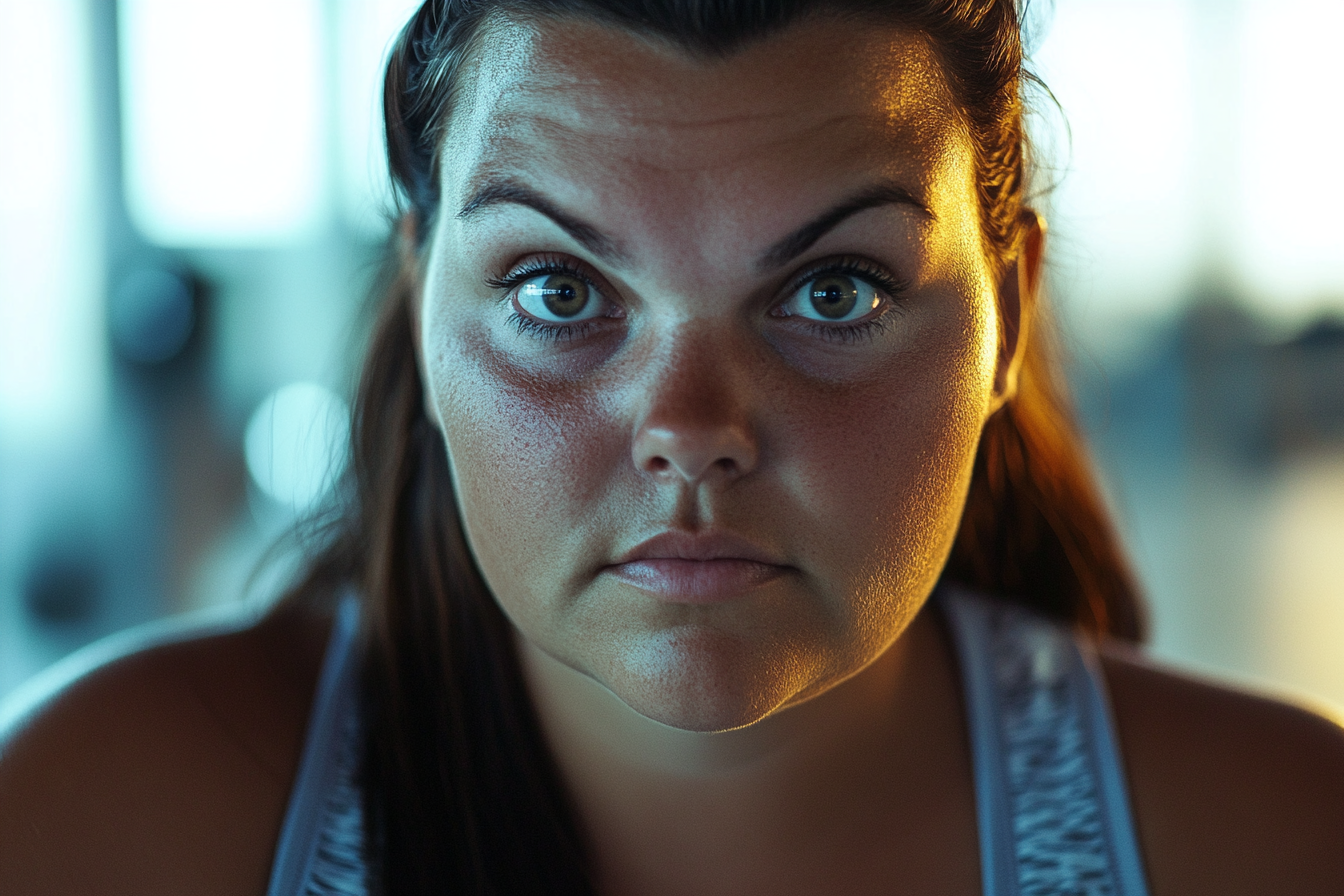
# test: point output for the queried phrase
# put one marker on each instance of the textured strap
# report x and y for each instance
(1051, 799)
(321, 844)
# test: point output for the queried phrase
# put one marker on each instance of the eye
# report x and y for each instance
(833, 298)
(558, 298)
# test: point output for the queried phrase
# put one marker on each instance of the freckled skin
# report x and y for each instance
(847, 461)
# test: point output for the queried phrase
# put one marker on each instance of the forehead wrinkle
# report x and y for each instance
(505, 157)
(576, 134)
(903, 87)
(905, 122)
(510, 157)
(642, 98)
(518, 139)
(638, 114)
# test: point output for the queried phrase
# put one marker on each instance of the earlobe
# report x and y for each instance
(1018, 293)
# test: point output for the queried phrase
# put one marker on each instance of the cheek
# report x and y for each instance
(882, 470)
(527, 459)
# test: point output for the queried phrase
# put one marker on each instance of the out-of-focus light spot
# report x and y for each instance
(53, 376)
(1123, 228)
(151, 314)
(1303, 577)
(365, 31)
(296, 444)
(222, 117)
(1290, 232)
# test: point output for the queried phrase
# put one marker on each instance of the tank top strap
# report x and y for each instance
(321, 846)
(1051, 800)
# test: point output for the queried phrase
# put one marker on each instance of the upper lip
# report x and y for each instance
(681, 545)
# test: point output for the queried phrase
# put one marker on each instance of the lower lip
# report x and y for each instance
(696, 581)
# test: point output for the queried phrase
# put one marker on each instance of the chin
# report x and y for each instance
(699, 679)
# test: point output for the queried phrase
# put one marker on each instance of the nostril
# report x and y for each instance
(692, 453)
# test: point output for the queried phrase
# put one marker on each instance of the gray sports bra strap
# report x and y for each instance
(320, 848)
(1051, 799)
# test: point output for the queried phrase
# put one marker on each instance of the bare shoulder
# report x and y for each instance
(1232, 793)
(165, 770)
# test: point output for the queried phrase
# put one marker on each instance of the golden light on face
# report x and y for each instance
(710, 343)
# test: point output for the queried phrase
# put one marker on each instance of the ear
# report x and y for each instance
(1018, 292)
(413, 270)
(408, 228)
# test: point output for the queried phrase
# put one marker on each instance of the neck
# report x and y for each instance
(667, 810)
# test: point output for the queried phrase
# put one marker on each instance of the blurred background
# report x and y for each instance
(193, 203)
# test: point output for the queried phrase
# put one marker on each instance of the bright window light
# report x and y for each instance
(222, 119)
(365, 31)
(1290, 236)
(52, 359)
(1123, 228)
(296, 444)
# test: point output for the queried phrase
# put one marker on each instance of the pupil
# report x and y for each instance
(564, 296)
(834, 297)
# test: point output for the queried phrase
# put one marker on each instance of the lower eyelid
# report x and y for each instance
(849, 332)
(553, 331)
(544, 330)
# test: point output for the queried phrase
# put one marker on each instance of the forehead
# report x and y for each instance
(553, 92)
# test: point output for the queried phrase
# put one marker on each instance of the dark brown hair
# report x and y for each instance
(460, 791)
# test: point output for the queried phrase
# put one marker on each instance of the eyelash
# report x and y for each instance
(859, 268)
(528, 326)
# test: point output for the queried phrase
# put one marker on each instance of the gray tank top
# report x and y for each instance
(1051, 801)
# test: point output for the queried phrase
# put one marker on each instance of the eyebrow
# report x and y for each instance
(501, 192)
(798, 242)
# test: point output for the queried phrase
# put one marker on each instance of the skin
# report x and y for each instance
(806, 736)
(166, 771)
(689, 405)
(844, 456)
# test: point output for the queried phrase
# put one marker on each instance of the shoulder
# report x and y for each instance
(161, 769)
(1232, 793)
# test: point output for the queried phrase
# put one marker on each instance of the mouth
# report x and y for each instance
(696, 568)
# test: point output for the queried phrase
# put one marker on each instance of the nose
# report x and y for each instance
(696, 426)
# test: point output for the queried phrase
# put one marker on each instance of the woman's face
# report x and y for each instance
(711, 342)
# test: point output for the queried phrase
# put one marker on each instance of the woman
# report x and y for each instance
(712, 346)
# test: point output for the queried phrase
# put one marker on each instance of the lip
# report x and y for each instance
(696, 568)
